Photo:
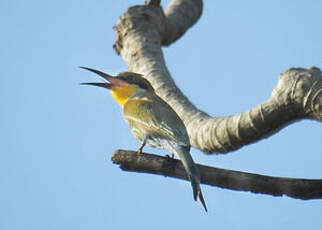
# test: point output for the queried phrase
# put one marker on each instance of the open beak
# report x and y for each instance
(113, 81)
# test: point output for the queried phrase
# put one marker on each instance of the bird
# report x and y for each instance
(152, 121)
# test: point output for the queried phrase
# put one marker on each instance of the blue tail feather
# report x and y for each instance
(183, 153)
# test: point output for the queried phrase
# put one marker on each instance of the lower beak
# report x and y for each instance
(100, 84)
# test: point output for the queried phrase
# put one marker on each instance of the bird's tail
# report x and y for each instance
(192, 171)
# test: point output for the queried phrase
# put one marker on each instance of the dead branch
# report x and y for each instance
(304, 189)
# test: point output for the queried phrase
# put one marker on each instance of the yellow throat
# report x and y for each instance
(123, 92)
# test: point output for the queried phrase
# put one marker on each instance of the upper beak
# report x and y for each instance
(113, 81)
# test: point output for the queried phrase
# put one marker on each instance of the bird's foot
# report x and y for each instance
(170, 156)
(139, 151)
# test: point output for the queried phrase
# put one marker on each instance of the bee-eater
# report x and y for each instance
(152, 121)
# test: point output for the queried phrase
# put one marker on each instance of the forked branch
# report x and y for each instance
(140, 33)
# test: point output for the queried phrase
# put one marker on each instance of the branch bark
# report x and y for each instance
(140, 33)
(276, 186)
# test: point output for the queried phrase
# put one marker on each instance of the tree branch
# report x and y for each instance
(277, 186)
(180, 15)
(140, 33)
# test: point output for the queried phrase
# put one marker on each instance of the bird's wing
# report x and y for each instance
(152, 114)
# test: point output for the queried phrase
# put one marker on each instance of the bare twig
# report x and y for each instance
(304, 189)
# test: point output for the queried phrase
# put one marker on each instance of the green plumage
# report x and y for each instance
(148, 114)
(152, 121)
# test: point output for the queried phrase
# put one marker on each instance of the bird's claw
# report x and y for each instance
(139, 151)
(170, 157)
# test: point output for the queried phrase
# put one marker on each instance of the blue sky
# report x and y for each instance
(57, 137)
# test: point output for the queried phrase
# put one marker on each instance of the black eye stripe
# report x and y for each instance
(138, 80)
(143, 86)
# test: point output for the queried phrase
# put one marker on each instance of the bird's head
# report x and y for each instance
(123, 85)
